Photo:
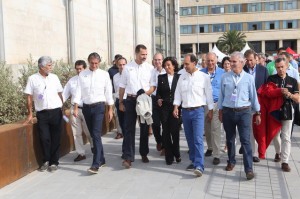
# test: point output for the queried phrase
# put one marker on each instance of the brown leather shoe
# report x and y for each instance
(126, 164)
(158, 147)
(249, 175)
(229, 167)
(79, 158)
(285, 167)
(119, 136)
(277, 157)
(162, 152)
(145, 159)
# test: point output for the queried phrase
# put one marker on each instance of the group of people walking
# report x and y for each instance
(202, 97)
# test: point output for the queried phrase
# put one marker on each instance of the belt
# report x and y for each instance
(94, 104)
(238, 109)
(77, 106)
(46, 110)
(131, 96)
(192, 108)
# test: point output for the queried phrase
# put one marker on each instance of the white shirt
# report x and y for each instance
(194, 90)
(116, 80)
(70, 90)
(181, 71)
(94, 86)
(44, 91)
(170, 80)
(154, 77)
(135, 77)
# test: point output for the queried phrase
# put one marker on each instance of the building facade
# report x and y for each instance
(71, 29)
(268, 24)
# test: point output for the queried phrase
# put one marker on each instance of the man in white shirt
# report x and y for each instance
(193, 92)
(44, 89)
(94, 89)
(120, 63)
(156, 111)
(136, 79)
(78, 124)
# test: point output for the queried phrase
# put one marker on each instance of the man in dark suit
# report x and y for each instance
(260, 75)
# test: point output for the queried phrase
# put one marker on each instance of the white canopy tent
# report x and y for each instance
(245, 48)
(218, 53)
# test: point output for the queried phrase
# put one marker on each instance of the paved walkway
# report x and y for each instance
(157, 180)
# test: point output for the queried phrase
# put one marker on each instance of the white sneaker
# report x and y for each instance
(53, 168)
(198, 172)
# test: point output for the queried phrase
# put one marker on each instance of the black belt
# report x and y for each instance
(93, 105)
(131, 96)
(46, 110)
(237, 109)
(77, 106)
(192, 108)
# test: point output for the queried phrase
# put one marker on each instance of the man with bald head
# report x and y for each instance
(212, 126)
(158, 70)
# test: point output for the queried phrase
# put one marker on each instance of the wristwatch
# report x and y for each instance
(257, 113)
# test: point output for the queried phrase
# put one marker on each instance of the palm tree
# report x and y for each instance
(231, 41)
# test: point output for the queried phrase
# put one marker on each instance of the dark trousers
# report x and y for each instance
(170, 126)
(241, 120)
(93, 116)
(121, 117)
(49, 126)
(129, 137)
(156, 116)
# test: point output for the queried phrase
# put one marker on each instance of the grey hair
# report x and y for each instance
(262, 55)
(212, 53)
(158, 53)
(238, 55)
(43, 61)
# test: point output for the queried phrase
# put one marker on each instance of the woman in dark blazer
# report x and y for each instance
(166, 86)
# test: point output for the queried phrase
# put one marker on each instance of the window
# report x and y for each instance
(254, 7)
(202, 10)
(271, 25)
(217, 9)
(186, 29)
(185, 11)
(234, 8)
(218, 27)
(186, 48)
(254, 26)
(290, 5)
(271, 6)
(236, 26)
(202, 29)
(289, 24)
(271, 46)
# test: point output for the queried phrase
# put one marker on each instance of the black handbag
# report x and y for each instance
(286, 110)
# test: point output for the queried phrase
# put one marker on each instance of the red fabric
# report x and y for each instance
(289, 50)
(270, 100)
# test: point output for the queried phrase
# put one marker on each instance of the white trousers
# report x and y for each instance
(78, 126)
(213, 132)
(254, 144)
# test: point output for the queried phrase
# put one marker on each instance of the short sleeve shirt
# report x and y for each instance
(288, 82)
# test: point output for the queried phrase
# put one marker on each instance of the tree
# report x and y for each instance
(231, 41)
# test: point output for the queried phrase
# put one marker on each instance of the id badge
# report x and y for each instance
(233, 97)
(40, 97)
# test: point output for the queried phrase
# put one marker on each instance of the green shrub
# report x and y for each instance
(12, 102)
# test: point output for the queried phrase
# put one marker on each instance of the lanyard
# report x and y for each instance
(282, 83)
(236, 82)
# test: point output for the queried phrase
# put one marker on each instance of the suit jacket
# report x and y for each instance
(164, 92)
(261, 75)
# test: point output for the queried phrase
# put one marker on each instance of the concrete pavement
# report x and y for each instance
(157, 180)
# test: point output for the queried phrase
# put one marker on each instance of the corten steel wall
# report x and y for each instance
(20, 149)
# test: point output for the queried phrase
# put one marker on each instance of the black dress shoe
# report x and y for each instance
(178, 159)
(169, 163)
(216, 161)
(241, 151)
(208, 152)
(256, 159)
(145, 159)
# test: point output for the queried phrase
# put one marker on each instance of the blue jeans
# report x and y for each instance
(193, 122)
(241, 120)
(93, 116)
